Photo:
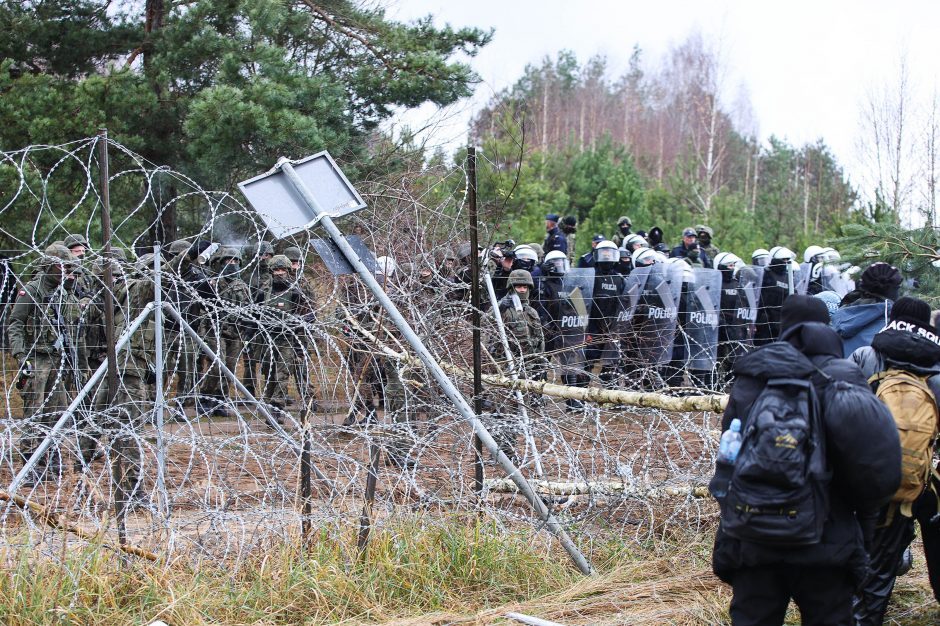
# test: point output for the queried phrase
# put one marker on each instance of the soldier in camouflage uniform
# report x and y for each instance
(256, 260)
(231, 296)
(188, 286)
(46, 340)
(281, 303)
(121, 414)
(84, 283)
(303, 346)
(527, 345)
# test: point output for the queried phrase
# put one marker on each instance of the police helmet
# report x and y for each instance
(526, 253)
(727, 260)
(633, 242)
(520, 277)
(811, 253)
(526, 258)
(781, 253)
(606, 252)
(280, 262)
(831, 255)
(556, 263)
(647, 256)
(688, 274)
(760, 257)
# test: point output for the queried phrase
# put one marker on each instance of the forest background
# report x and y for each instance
(219, 89)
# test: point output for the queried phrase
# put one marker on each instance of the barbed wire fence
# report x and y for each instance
(222, 477)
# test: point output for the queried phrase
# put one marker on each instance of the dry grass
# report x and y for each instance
(424, 571)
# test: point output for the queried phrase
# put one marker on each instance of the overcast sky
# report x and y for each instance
(806, 64)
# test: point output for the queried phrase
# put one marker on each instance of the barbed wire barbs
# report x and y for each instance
(318, 355)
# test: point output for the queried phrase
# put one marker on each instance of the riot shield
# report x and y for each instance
(833, 280)
(632, 290)
(575, 295)
(701, 326)
(656, 321)
(802, 283)
(750, 279)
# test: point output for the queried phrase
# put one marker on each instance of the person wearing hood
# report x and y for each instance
(910, 344)
(623, 231)
(655, 239)
(865, 311)
(862, 454)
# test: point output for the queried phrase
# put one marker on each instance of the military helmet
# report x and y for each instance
(624, 220)
(99, 266)
(225, 252)
(293, 253)
(74, 240)
(727, 260)
(119, 254)
(520, 277)
(265, 247)
(606, 252)
(178, 246)
(57, 254)
(279, 262)
(539, 251)
(702, 228)
(144, 263)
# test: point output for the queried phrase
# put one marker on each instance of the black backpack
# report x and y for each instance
(778, 491)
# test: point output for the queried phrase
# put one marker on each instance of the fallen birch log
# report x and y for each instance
(53, 520)
(715, 403)
(562, 488)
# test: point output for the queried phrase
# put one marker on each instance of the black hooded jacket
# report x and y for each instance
(901, 349)
(866, 468)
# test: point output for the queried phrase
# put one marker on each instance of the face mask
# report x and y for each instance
(263, 263)
(229, 270)
(68, 284)
(280, 282)
(625, 230)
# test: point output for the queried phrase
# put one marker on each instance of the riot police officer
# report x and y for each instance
(736, 314)
(606, 304)
(564, 319)
(778, 284)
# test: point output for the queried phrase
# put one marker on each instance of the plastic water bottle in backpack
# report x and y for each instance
(730, 443)
(728, 450)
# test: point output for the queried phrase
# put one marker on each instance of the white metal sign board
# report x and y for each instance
(281, 207)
